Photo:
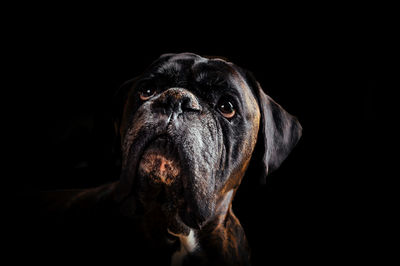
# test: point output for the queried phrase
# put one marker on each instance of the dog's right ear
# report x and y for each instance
(118, 103)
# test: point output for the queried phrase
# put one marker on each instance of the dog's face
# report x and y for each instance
(188, 128)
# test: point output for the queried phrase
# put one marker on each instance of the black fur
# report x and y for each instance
(210, 152)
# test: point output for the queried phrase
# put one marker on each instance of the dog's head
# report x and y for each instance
(188, 128)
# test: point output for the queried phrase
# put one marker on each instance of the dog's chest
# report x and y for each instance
(188, 244)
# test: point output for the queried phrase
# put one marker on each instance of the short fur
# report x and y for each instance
(181, 127)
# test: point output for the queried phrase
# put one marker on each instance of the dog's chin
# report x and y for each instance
(160, 174)
(159, 171)
(159, 163)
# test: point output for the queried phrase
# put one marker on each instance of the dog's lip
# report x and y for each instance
(166, 146)
(145, 145)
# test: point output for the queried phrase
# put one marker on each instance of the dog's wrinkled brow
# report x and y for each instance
(216, 79)
(204, 74)
(169, 68)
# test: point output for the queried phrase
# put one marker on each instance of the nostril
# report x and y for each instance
(189, 104)
(176, 101)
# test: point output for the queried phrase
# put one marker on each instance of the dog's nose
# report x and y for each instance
(176, 101)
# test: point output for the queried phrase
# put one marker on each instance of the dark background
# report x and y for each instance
(313, 209)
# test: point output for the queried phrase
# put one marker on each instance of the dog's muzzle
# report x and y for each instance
(175, 102)
(160, 162)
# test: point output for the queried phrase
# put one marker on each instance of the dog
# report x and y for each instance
(187, 128)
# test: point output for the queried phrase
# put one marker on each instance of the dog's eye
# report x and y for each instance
(146, 93)
(226, 108)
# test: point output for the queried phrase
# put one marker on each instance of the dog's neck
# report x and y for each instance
(214, 240)
(212, 243)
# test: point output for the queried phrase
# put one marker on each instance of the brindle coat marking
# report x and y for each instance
(182, 160)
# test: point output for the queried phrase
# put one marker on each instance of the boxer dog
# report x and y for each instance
(188, 127)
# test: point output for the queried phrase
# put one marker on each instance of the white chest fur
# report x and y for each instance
(188, 244)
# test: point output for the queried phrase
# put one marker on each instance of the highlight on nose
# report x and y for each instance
(177, 100)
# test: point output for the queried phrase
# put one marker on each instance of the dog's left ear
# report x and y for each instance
(280, 131)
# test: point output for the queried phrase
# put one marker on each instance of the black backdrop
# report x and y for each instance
(311, 209)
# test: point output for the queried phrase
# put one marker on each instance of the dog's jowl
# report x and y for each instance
(188, 127)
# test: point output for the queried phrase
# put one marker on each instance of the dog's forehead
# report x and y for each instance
(186, 61)
(188, 58)
(201, 69)
(211, 71)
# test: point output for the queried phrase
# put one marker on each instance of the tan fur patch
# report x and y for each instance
(159, 168)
